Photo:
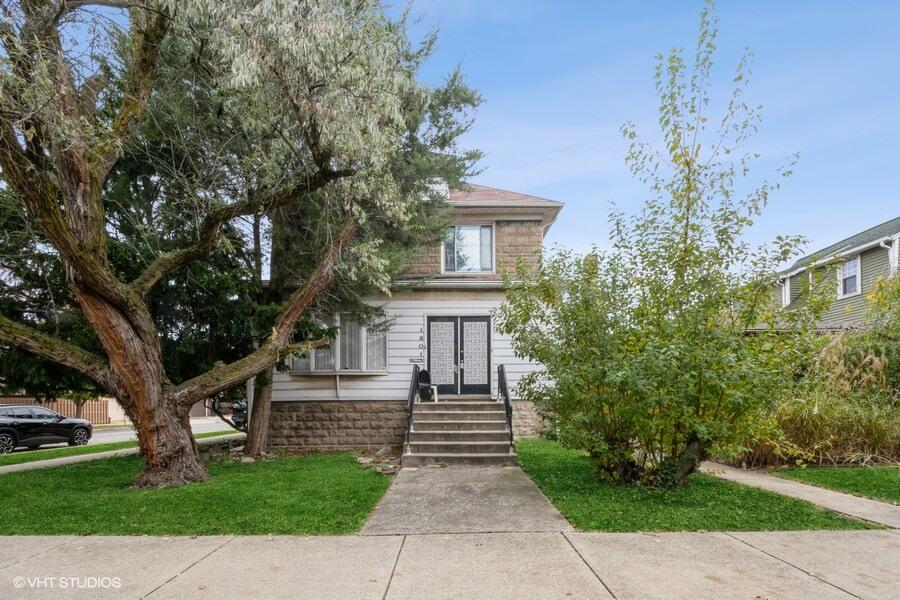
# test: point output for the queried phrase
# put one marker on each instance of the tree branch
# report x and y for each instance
(223, 377)
(209, 228)
(25, 170)
(76, 4)
(147, 33)
(55, 349)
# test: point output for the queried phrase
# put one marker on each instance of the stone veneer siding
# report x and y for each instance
(338, 424)
(518, 239)
(350, 424)
(526, 421)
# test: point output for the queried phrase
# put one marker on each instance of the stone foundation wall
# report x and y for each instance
(345, 424)
(337, 425)
(526, 421)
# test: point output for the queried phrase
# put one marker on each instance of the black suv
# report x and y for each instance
(32, 426)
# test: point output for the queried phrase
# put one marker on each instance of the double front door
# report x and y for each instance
(459, 354)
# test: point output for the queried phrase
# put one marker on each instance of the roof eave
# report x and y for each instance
(848, 252)
(546, 211)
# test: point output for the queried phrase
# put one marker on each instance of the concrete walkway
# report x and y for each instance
(463, 500)
(545, 565)
(71, 460)
(847, 504)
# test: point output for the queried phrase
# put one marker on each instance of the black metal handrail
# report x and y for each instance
(503, 391)
(410, 402)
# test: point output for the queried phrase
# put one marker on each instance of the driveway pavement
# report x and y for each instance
(565, 565)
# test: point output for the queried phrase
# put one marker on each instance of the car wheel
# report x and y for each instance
(7, 443)
(80, 437)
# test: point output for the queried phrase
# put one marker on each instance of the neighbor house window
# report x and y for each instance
(849, 278)
(354, 348)
(469, 249)
(785, 291)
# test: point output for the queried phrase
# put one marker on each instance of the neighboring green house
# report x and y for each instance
(851, 266)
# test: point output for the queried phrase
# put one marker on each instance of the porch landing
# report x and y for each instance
(463, 500)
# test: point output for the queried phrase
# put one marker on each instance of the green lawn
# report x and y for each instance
(706, 503)
(25, 456)
(318, 494)
(881, 483)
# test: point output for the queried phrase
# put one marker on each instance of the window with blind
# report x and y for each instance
(469, 249)
(355, 348)
(849, 278)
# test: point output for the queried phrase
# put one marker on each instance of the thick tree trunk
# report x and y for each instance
(691, 456)
(168, 447)
(258, 432)
(145, 392)
(79, 409)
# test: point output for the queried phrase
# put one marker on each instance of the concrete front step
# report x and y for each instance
(468, 460)
(461, 435)
(460, 415)
(467, 425)
(463, 398)
(459, 447)
(424, 407)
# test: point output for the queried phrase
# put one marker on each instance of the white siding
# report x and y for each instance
(406, 342)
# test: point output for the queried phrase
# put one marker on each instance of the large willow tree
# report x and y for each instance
(312, 93)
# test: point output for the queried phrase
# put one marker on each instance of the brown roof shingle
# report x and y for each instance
(483, 193)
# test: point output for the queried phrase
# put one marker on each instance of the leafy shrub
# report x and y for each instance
(846, 408)
(645, 387)
(647, 364)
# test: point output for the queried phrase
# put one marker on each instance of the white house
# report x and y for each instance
(353, 394)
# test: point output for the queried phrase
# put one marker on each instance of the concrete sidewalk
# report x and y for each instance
(565, 565)
(847, 504)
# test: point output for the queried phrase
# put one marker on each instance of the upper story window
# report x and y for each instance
(848, 278)
(355, 348)
(469, 249)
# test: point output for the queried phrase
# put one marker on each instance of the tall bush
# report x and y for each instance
(647, 363)
(846, 407)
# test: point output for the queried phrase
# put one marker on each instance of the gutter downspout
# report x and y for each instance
(893, 254)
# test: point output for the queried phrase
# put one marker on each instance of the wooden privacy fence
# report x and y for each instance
(96, 411)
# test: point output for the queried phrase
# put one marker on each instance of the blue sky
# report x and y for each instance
(560, 77)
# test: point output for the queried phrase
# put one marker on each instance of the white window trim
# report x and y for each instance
(493, 270)
(785, 292)
(336, 356)
(840, 278)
